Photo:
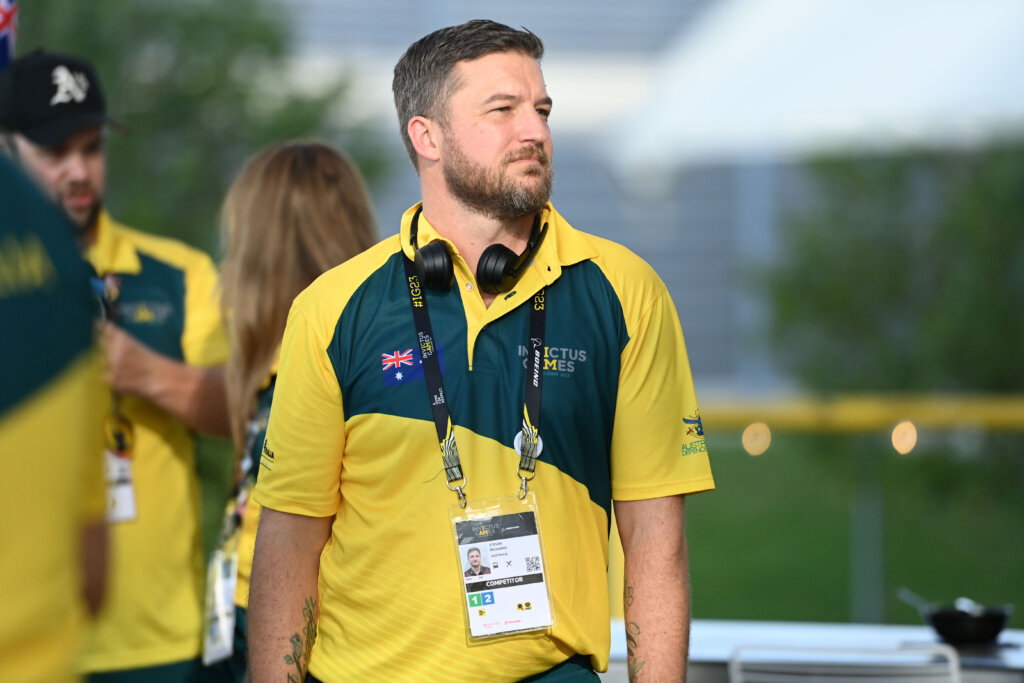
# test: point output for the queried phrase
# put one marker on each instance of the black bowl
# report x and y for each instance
(963, 628)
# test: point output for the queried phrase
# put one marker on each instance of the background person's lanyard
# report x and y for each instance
(530, 438)
(120, 433)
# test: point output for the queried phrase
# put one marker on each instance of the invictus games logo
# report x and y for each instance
(557, 359)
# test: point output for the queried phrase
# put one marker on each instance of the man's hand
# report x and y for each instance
(130, 363)
(194, 395)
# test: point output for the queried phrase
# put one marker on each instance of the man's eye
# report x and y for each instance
(546, 113)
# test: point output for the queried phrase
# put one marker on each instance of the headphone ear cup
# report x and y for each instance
(492, 271)
(434, 266)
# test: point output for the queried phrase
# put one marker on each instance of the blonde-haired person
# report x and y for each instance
(295, 211)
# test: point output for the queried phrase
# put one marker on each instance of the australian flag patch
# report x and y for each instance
(403, 366)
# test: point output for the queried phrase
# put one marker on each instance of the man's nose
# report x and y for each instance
(533, 127)
(75, 167)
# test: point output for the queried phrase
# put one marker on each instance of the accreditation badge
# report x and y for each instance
(117, 465)
(502, 569)
(120, 487)
(219, 612)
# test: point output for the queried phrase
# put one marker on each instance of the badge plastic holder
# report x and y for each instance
(503, 576)
(219, 612)
(117, 464)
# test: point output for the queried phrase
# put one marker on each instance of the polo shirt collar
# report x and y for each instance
(110, 252)
(563, 245)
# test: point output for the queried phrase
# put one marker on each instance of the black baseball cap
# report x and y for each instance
(48, 97)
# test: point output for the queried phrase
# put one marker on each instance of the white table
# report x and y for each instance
(712, 641)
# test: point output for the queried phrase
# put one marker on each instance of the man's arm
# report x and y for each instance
(194, 395)
(283, 601)
(657, 587)
(94, 559)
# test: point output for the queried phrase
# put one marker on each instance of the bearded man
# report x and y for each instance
(164, 345)
(408, 427)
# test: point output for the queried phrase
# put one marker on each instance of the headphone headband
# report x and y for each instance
(497, 271)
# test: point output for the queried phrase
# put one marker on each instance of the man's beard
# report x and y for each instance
(495, 194)
(91, 219)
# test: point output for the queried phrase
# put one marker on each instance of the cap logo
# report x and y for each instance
(70, 86)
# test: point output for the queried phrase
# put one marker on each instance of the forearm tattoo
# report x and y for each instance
(302, 645)
(632, 643)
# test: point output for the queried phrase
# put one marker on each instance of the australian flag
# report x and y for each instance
(8, 30)
(402, 366)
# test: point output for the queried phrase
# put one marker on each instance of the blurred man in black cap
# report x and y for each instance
(164, 342)
(54, 111)
(53, 555)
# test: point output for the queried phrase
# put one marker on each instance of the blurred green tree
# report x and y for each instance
(905, 274)
(200, 86)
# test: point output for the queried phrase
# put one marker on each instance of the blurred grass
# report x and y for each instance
(773, 541)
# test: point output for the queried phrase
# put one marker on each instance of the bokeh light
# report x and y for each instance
(756, 438)
(904, 437)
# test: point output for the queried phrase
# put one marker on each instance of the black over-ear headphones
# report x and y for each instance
(498, 270)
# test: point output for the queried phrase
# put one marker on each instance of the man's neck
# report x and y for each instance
(472, 232)
(86, 237)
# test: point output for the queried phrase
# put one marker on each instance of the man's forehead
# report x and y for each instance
(496, 69)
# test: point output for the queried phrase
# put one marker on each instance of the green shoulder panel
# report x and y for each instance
(46, 303)
(151, 305)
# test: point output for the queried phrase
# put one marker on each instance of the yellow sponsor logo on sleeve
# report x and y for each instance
(24, 266)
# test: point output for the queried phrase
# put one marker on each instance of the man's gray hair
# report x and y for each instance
(423, 82)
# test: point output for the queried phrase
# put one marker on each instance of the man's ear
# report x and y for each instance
(425, 135)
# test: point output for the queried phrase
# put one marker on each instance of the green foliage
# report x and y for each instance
(906, 274)
(201, 86)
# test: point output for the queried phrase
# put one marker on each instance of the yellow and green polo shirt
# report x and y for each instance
(351, 436)
(51, 477)
(168, 299)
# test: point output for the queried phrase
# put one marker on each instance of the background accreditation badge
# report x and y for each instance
(502, 565)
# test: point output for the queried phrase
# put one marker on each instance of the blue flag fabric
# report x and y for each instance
(8, 30)
(403, 366)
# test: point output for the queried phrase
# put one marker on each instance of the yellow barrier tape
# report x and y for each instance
(869, 412)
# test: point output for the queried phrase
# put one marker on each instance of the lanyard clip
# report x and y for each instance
(452, 467)
(529, 446)
(524, 488)
(459, 491)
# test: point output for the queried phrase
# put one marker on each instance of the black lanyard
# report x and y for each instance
(530, 438)
(119, 431)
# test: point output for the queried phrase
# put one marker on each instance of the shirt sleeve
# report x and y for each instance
(658, 445)
(300, 467)
(204, 340)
